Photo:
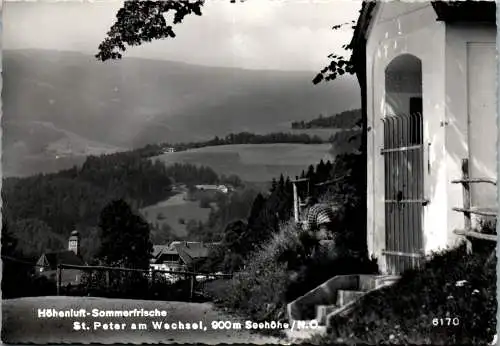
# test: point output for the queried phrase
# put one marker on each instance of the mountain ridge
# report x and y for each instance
(133, 102)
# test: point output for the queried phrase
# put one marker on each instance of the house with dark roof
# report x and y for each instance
(49, 261)
(166, 257)
(427, 72)
(192, 254)
(180, 255)
(220, 188)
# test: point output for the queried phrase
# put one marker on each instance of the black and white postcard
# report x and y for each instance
(249, 172)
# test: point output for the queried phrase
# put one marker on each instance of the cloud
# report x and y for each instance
(259, 34)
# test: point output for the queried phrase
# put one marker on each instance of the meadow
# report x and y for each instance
(254, 162)
(174, 209)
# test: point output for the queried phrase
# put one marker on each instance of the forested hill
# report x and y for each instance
(151, 150)
(344, 120)
(42, 210)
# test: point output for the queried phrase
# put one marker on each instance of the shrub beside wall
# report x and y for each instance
(280, 272)
(451, 301)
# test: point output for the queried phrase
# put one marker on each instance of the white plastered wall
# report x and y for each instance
(407, 28)
(471, 114)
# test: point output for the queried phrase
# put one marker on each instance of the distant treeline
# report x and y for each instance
(191, 175)
(233, 139)
(42, 210)
(345, 120)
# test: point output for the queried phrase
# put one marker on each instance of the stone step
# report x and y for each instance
(328, 294)
(370, 282)
(322, 311)
(377, 282)
(344, 297)
(340, 312)
(304, 307)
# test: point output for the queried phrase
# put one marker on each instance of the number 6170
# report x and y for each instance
(444, 322)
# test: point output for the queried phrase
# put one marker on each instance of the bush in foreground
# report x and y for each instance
(280, 272)
(450, 301)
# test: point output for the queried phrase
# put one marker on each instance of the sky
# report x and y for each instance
(257, 34)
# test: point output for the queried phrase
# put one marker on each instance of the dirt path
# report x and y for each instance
(20, 323)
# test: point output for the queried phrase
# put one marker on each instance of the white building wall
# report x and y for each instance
(471, 114)
(407, 28)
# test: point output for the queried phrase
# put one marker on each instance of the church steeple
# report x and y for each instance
(74, 242)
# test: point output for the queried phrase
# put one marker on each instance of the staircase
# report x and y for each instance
(335, 297)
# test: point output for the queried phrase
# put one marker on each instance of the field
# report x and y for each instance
(254, 162)
(173, 209)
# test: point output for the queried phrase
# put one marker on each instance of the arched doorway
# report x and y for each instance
(403, 164)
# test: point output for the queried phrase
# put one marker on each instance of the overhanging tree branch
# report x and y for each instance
(139, 22)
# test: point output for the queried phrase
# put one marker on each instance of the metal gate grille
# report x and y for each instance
(404, 191)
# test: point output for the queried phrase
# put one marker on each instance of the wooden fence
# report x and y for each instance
(197, 280)
(468, 210)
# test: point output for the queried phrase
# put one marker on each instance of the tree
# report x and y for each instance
(288, 185)
(281, 183)
(321, 171)
(9, 242)
(328, 167)
(124, 237)
(233, 180)
(236, 244)
(163, 235)
(16, 275)
(310, 173)
(35, 237)
(274, 185)
(139, 22)
(257, 208)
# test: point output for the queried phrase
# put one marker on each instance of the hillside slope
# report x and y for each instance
(132, 102)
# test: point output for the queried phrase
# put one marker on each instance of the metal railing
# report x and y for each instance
(404, 199)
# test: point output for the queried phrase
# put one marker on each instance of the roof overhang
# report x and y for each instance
(465, 11)
(446, 11)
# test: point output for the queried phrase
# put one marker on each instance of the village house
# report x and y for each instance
(192, 254)
(49, 261)
(427, 72)
(166, 257)
(180, 255)
(221, 188)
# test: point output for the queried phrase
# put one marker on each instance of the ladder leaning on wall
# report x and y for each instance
(468, 210)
